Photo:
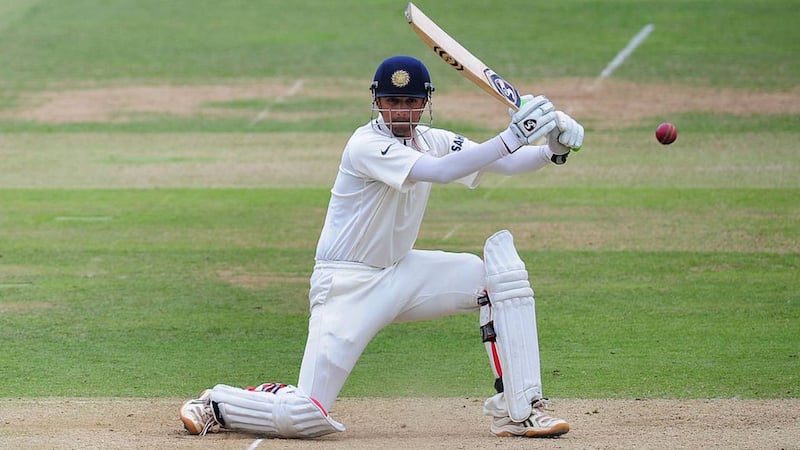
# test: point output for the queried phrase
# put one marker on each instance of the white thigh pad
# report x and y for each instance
(287, 413)
(514, 316)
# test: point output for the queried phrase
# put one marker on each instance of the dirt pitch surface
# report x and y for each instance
(425, 423)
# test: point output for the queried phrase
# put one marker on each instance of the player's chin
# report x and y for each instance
(402, 131)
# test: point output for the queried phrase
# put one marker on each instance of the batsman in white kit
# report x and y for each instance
(368, 274)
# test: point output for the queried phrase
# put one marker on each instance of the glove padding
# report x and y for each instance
(571, 135)
(534, 120)
(566, 137)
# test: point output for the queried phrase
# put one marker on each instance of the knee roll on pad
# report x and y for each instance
(509, 285)
(286, 413)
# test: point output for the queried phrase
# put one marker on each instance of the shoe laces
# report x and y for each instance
(543, 404)
(212, 419)
(208, 426)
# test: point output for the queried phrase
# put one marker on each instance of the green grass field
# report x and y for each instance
(160, 254)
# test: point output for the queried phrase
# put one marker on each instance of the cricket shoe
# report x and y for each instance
(539, 424)
(197, 415)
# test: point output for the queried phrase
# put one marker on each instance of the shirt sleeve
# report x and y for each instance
(457, 159)
(529, 158)
(384, 160)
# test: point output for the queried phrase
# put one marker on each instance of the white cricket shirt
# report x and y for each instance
(375, 213)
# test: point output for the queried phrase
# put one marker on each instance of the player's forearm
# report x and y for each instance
(527, 159)
(457, 165)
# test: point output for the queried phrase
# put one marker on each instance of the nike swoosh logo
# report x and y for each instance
(383, 152)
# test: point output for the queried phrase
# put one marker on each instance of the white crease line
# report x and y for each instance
(625, 52)
(255, 444)
(280, 99)
(451, 232)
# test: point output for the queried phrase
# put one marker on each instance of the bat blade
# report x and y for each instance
(461, 59)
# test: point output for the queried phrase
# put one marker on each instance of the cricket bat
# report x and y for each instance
(460, 59)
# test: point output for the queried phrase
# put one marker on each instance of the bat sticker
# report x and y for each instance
(447, 58)
(502, 86)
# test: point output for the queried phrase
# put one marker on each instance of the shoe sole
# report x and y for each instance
(188, 423)
(555, 431)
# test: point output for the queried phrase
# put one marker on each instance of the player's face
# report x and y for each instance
(401, 114)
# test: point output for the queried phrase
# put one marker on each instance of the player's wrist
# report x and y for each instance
(510, 140)
(559, 159)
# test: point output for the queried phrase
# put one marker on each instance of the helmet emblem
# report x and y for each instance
(400, 78)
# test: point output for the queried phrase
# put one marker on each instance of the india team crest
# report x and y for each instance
(400, 78)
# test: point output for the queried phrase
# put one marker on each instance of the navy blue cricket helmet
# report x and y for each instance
(402, 76)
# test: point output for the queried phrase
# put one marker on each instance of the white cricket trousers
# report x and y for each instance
(351, 302)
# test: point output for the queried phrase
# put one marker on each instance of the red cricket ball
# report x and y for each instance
(666, 133)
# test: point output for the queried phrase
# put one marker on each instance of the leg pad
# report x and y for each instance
(286, 413)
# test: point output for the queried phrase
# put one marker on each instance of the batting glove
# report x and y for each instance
(571, 134)
(566, 137)
(534, 120)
